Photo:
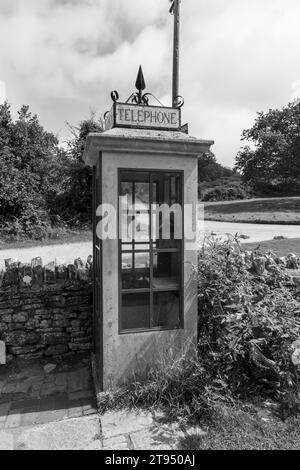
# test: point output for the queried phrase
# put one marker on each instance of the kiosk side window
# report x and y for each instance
(150, 250)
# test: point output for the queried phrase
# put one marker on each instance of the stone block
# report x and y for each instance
(80, 347)
(6, 311)
(11, 263)
(21, 338)
(57, 350)
(78, 334)
(25, 350)
(95, 445)
(3, 327)
(37, 271)
(116, 443)
(62, 273)
(50, 273)
(31, 324)
(32, 356)
(55, 301)
(78, 301)
(36, 262)
(83, 274)
(11, 277)
(41, 312)
(71, 272)
(78, 263)
(6, 318)
(20, 317)
(115, 423)
(55, 339)
(83, 340)
(26, 276)
(4, 304)
(6, 441)
(45, 323)
(32, 306)
(16, 326)
(73, 434)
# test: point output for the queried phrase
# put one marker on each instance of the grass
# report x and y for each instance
(280, 247)
(235, 429)
(269, 211)
(67, 236)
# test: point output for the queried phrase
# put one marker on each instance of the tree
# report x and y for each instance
(74, 205)
(209, 169)
(273, 159)
(29, 169)
(41, 184)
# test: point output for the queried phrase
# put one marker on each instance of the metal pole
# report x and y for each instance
(176, 12)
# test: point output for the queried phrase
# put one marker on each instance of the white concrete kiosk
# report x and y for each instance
(145, 292)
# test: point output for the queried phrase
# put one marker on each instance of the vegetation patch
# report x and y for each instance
(262, 211)
(249, 317)
(244, 428)
(280, 247)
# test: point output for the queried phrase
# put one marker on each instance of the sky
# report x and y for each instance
(238, 57)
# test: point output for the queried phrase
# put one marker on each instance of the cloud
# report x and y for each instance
(63, 57)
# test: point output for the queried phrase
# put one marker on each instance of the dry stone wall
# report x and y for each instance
(46, 310)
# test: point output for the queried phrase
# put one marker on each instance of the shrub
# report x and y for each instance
(247, 323)
(226, 193)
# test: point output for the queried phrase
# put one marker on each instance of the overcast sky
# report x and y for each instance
(63, 57)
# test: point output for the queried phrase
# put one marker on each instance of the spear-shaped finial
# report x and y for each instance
(140, 81)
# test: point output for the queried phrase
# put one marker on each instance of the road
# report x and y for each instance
(66, 253)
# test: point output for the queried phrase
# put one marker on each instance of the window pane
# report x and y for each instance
(134, 226)
(127, 193)
(167, 217)
(142, 196)
(166, 270)
(167, 228)
(135, 311)
(135, 270)
(166, 188)
(166, 310)
(142, 227)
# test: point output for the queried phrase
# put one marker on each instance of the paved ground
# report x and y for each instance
(51, 405)
(114, 431)
(39, 393)
(29, 395)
